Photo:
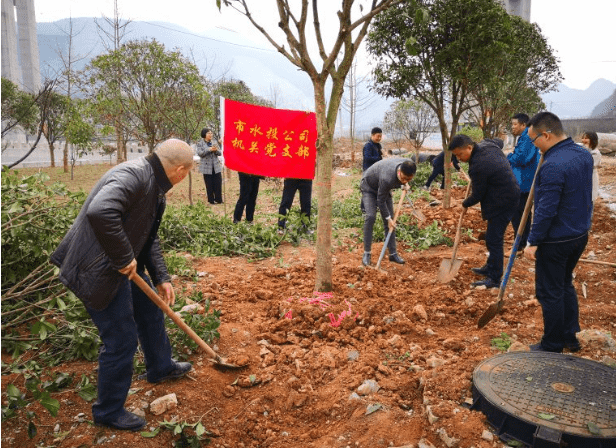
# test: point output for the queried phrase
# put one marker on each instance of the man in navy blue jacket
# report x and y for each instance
(559, 233)
(438, 167)
(372, 149)
(523, 160)
(495, 188)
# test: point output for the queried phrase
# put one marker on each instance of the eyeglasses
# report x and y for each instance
(545, 132)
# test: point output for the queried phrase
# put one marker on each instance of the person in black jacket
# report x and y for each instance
(493, 186)
(114, 239)
(438, 167)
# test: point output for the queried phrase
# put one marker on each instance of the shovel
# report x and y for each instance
(496, 307)
(378, 264)
(154, 297)
(417, 213)
(449, 268)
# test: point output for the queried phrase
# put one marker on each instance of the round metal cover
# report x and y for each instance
(548, 399)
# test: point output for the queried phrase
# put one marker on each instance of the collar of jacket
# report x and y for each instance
(159, 172)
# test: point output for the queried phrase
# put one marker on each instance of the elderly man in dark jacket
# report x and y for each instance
(376, 185)
(493, 186)
(113, 239)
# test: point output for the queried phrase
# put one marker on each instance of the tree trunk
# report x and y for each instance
(325, 151)
(120, 145)
(51, 156)
(65, 157)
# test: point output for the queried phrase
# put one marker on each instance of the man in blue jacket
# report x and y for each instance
(495, 188)
(559, 233)
(523, 160)
(113, 239)
(373, 151)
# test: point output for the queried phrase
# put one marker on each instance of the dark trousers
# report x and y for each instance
(370, 218)
(249, 189)
(555, 292)
(495, 235)
(131, 317)
(213, 187)
(288, 194)
(517, 217)
(436, 170)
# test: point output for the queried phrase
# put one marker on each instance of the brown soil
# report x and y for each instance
(302, 347)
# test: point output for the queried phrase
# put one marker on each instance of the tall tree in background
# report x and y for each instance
(112, 32)
(526, 69)
(152, 82)
(356, 98)
(66, 81)
(436, 50)
(293, 23)
(410, 120)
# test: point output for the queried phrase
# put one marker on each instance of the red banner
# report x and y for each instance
(269, 142)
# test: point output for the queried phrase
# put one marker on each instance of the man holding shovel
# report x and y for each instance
(493, 186)
(559, 233)
(114, 239)
(376, 185)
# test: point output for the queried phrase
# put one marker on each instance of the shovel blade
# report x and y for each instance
(448, 270)
(419, 215)
(489, 314)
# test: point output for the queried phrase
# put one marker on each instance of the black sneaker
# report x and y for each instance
(181, 369)
(395, 258)
(487, 282)
(573, 346)
(482, 271)
(127, 422)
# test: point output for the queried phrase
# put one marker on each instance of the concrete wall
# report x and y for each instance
(10, 62)
(28, 46)
(22, 68)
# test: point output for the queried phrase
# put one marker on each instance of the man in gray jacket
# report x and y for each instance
(113, 239)
(376, 185)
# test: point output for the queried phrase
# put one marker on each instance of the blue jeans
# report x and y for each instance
(131, 317)
(555, 292)
(495, 235)
(369, 201)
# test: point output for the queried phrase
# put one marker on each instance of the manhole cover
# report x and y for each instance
(548, 399)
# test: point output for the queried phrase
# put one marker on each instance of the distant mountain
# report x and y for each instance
(574, 103)
(607, 107)
(219, 52)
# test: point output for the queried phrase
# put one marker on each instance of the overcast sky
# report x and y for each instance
(581, 33)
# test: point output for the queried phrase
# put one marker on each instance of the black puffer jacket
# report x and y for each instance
(118, 222)
(493, 182)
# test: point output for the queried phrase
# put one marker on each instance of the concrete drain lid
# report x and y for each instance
(544, 399)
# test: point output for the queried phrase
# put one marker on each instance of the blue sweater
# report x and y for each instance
(524, 160)
(563, 194)
(372, 154)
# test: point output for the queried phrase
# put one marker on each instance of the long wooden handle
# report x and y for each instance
(459, 229)
(378, 264)
(605, 263)
(154, 297)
